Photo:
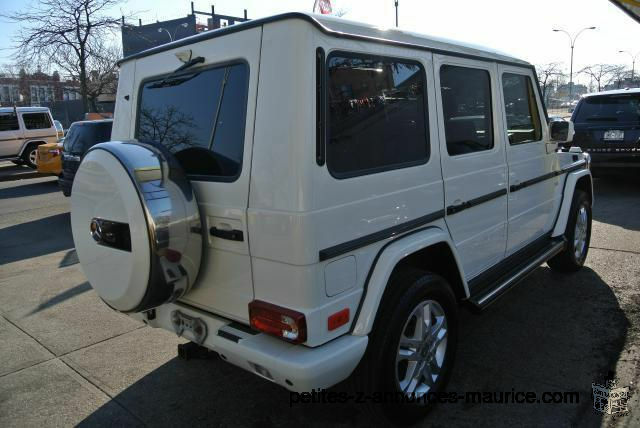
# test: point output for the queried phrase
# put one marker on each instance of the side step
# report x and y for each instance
(491, 285)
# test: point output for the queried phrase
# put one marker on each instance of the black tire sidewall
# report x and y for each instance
(580, 200)
(25, 157)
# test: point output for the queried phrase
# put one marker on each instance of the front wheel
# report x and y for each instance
(411, 348)
(30, 156)
(578, 235)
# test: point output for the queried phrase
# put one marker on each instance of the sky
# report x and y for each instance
(518, 27)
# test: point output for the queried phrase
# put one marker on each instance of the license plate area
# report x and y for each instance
(614, 135)
(192, 328)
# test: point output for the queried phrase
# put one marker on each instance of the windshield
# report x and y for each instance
(82, 136)
(609, 108)
(199, 116)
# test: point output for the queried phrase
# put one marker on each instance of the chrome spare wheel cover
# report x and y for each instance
(422, 349)
(580, 232)
(135, 225)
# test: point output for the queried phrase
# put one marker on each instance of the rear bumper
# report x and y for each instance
(614, 160)
(295, 367)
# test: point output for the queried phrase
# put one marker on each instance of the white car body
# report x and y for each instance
(318, 244)
(15, 137)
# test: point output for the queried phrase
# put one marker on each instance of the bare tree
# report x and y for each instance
(65, 33)
(546, 75)
(600, 73)
(617, 75)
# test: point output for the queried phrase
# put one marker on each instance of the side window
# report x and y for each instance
(376, 114)
(466, 107)
(36, 121)
(9, 122)
(523, 120)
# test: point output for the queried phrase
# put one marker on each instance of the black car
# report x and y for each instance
(607, 126)
(80, 138)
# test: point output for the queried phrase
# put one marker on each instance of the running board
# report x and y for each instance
(496, 284)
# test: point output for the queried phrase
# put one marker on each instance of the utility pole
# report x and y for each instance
(396, 2)
(573, 43)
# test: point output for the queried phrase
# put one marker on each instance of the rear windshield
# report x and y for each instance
(200, 117)
(609, 108)
(83, 136)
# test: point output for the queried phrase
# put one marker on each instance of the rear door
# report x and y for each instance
(10, 135)
(473, 160)
(204, 115)
(534, 190)
(38, 126)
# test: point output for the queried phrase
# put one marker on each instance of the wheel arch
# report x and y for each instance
(430, 249)
(581, 180)
(28, 143)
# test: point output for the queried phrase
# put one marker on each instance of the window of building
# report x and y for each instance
(9, 122)
(377, 114)
(36, 120)
(523, 119)
(200, 117)
(466, 107)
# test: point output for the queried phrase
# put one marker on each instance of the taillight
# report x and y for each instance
(338, 319)
(54, 152)
(277, 321)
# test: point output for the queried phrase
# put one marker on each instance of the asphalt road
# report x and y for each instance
(66, 359)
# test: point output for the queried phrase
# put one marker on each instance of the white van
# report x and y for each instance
(22, 130)
(312, 198)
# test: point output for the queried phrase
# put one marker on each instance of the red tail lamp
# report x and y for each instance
(338, 319)
(277, 321)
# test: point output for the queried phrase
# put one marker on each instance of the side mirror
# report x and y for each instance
(561, 131)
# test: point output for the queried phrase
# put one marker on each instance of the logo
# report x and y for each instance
(609, 398)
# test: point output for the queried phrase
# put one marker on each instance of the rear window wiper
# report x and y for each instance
(167, 81)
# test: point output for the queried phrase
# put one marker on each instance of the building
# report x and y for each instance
(37, 88)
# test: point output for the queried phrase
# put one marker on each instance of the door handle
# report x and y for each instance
(232, 234)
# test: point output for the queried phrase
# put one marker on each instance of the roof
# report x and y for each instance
(24, 109)
(350, 29)
(614, 92)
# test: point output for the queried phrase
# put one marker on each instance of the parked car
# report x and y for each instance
(49, 158)
(81, 137)
(292, 218)
(22, 130)
(607, 126)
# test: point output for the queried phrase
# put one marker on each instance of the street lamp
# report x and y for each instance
(573, 42)
(161, 29)
(633, 62)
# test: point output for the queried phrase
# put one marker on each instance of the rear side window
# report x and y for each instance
(523, 120)
(199, 116)
(82, 136)
(609, 108)
(466, 107)
(9, 122)
(377, 111)
(36, 120)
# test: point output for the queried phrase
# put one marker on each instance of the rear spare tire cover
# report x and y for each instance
(135, 225)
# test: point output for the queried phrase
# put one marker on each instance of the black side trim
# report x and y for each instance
(390, 232)
(229, 336)
(453, 209)
(243, 328)
(531, 182)
(320, 109)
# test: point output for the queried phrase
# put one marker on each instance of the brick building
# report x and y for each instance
(36, 88)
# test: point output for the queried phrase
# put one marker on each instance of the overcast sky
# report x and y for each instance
(519, 27)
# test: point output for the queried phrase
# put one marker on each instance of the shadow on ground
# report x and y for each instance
(35, 238)
(617, 200)
(32, 189)
(551, 333)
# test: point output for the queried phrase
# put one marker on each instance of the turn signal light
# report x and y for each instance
(338, 319)
(277, 321)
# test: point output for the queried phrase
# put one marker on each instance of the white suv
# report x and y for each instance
(312, 198)
(22, 130)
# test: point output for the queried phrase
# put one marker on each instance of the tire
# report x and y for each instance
(381, 369)
(578, 235)
(29, 155)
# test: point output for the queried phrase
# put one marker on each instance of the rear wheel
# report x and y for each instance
(30, 155)
(412, 347)
(578, 235)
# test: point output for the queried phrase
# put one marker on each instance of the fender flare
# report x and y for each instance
(569, 189)
(26, 144)
(388, 257)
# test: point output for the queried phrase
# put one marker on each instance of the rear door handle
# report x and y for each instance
(232, 235)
